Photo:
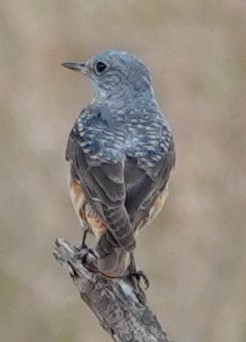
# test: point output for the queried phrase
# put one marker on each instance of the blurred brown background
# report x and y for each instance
(194, 254)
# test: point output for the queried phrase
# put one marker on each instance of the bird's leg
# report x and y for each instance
(83, 244)
(88, 257)
(136, 273)
(83, 251)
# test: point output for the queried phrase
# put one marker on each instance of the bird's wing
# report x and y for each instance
(103, 182)
(144, 184)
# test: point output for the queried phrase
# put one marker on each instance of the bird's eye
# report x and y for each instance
(100, 67)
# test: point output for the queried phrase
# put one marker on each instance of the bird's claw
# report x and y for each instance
(138, 275)
(86, 255)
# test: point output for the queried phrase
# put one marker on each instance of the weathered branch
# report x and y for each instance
(118, 304)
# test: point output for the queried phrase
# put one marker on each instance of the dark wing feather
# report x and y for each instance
(105, 190)
(143, 187)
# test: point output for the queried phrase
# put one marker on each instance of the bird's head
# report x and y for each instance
(115, 74)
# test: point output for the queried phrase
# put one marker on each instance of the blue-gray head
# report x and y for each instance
(115, 74)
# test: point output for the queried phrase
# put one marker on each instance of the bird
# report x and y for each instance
(121, 154)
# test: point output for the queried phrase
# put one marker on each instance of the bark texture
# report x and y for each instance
(119, 304)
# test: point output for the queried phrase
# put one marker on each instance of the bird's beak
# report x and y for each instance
(76, 66)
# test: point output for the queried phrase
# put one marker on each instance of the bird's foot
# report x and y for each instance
(135, 279)
(137, 276)
(134, 276)
(87, 256)
(82, 250)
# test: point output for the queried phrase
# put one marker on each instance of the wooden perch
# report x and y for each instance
(119, 304)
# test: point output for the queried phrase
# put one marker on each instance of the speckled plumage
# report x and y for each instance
(121, 152)
(140, 133)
